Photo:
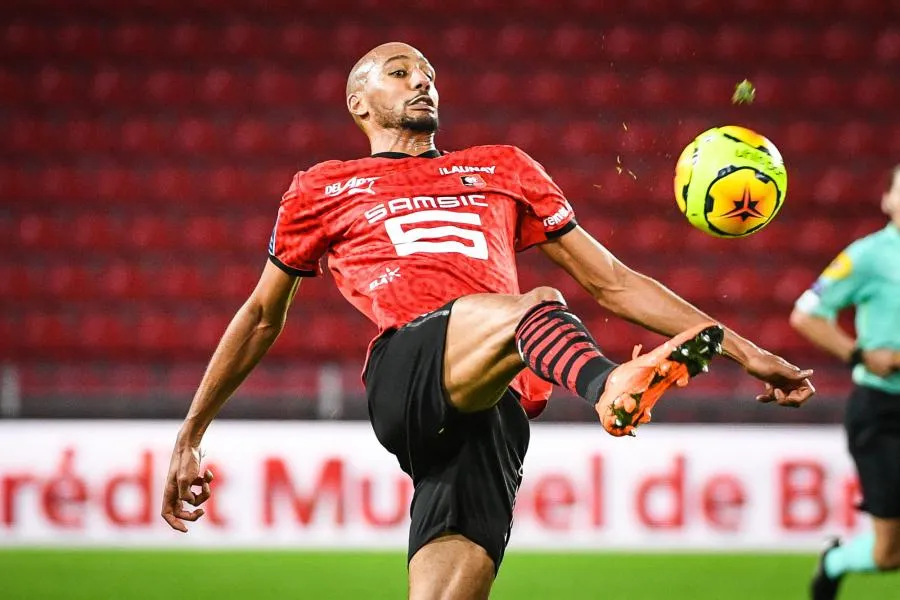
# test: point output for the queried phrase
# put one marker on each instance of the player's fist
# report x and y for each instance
(786, 384)
(183, 476)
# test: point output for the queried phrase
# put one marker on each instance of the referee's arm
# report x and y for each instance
(829, 336)
(824, 333)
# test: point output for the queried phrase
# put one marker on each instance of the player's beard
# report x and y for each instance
(422, 123)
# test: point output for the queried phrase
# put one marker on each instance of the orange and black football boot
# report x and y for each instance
(633, 388)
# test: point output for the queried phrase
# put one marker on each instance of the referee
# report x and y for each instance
(865, 275)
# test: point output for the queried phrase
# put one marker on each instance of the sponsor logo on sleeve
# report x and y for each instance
(354, 185)
(558, 217)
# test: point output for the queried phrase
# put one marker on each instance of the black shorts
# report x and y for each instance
(466, 468)
(873, 436)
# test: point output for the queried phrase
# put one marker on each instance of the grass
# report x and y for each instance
(227, 575)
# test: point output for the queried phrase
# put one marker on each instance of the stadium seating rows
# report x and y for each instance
(145, 148)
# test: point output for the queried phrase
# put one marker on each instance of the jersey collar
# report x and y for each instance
(429, 154)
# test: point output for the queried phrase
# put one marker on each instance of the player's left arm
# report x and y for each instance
(643, 300)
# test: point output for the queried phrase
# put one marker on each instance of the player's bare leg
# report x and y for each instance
(482, 357)
(450, 567)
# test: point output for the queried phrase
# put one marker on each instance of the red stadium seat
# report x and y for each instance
(843, 44)
(627, 44)
(802, 138)
(678, 43)
(876, 91)
(15, 88)
(547, 89)
(785, 43)
(300, 137)
(277, 87)
(123, 281)
(117, 185)
(94, 232)
(328, 87)
(182, 281)
(17, 285)
(822, 91)
(61, 185)
(86, 136)
(145, 137)
(45, 335)
(31, 136)
(254, 137)
(245, 40)
(188, 40)
(173, 185)
(299, 40)
(199, 136)
(135, 39)
(859, 138)
(235, 281)
(170, 89)
(887, 46)
(817, 237)
(24, 39)
(206, 234)
(518, 42)
(656, 88)
(571, 42)
(79, 40)
(731, 43)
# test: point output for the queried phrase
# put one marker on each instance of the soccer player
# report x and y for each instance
(865, 275)
(423, 243)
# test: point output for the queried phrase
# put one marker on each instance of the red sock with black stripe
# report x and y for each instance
(555, 344)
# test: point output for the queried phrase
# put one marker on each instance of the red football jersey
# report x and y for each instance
(405, 235)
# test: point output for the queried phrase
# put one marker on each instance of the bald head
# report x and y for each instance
(392, 88)
(375, 58)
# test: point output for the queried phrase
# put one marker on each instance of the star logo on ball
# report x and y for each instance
(745, 208)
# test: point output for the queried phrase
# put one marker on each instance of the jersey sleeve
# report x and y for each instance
(299, 238)
(546, 214)
(840, 285)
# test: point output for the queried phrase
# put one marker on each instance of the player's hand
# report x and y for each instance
(184, 473)
(881, 361)
(785, 383)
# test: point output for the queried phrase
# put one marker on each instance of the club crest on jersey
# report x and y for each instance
(464, 169)
(354, 185)
(472, 180)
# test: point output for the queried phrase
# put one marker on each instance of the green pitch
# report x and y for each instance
(225, 575)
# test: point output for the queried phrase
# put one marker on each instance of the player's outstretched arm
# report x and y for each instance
(251, 332)
(642, 300)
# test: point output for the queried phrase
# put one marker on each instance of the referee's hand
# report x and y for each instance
(882, 362)
(786, 384)
(184, 474)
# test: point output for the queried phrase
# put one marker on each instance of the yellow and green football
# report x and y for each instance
(730, 181)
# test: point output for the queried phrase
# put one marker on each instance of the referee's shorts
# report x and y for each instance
(872, 421)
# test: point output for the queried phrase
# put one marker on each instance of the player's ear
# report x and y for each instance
(356, 104)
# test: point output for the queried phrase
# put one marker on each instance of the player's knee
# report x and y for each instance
(543, 294)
